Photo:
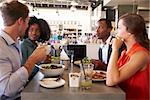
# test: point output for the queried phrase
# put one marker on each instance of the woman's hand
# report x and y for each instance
(117, 42)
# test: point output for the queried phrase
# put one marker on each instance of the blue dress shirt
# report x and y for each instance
(13, 76)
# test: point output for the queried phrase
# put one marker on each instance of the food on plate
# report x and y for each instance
(99, 75)
(51, 66)
(55, 60)
(51, 69)
(86, 60)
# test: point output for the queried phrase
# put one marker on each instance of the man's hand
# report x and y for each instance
(38, 55)
(98, 64)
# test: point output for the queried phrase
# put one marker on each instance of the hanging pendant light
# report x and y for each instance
(73, 7)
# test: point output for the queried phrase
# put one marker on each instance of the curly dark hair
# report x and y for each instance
(33, 20)
(45, 30)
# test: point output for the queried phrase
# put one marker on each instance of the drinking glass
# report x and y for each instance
(86, 75)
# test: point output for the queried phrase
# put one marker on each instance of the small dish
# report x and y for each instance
(52, 82)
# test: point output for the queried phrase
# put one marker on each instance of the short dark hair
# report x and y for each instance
(12, 11)
(108, 22)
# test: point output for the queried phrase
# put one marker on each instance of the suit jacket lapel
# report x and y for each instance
(100, 54)
(109, 53)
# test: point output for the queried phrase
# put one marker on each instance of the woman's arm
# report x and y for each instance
(114, 75)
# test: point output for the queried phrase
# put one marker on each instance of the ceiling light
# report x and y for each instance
(22, 1)
(74, 3)
(73, 8)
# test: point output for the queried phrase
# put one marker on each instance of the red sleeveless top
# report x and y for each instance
(137, 86)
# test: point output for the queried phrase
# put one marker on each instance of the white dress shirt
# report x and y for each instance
(12, 76)
(105, 47)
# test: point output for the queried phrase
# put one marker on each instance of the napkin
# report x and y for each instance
(63, 55)
(74, 79)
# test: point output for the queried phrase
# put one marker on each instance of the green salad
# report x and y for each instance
(48, 66)
(86, 60)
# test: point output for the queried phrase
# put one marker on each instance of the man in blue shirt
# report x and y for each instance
(13, 76)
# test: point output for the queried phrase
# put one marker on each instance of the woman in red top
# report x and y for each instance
(131, 71)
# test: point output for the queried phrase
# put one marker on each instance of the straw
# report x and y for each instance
(83, 70)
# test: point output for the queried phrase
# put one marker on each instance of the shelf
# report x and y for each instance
(72, 31)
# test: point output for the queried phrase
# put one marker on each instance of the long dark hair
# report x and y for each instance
(135, 24)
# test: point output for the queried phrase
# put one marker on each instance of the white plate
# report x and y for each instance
(51, 82)
(98, 79)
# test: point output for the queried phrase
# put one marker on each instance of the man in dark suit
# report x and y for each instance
(104, 28)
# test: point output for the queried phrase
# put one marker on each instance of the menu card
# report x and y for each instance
(74, 79)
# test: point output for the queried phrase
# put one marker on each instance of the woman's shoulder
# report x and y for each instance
(138, 49)
(141, 55)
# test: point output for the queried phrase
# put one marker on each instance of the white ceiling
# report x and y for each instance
(140, 3)
(80, 2)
